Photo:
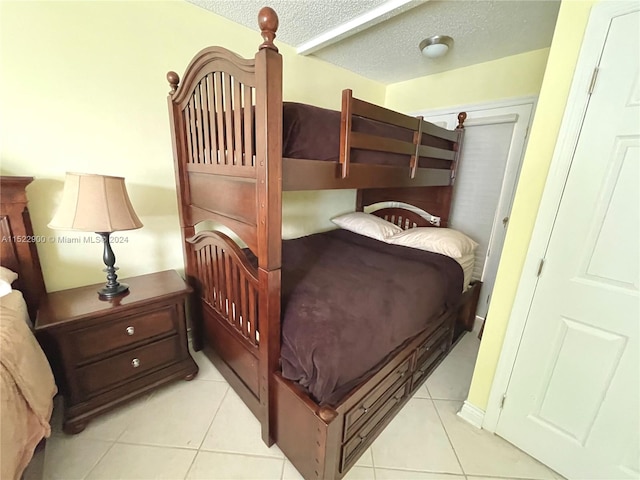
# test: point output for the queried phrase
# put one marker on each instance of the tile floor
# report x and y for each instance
(202, 430)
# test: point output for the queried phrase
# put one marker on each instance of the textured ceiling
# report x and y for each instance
(482, 30)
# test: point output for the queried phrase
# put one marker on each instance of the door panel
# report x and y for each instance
(573, 398)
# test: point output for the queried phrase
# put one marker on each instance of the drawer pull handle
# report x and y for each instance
(365, 410)
(130, 330)
(135, 363)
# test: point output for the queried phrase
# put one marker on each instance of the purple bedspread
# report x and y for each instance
(348, 301)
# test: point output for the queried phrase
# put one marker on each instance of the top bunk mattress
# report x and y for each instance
(313, 133)
(349, 301)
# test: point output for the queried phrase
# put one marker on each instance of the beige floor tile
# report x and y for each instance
(227, 466)
(356, 473)
(452, 378)
(422, 392)
(290, 472)
(111, 425)
(360, 473)
(236, 430)
(492, 478)
(388, 474)
(72, 457)
(206, 369)
(482, 453)
(467, 346)
(108, 426)
(140, 462)
(366, 460)
(177, 415)
(415, 440)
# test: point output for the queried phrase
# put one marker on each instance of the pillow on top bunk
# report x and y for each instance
(445, 241)
(367, 225)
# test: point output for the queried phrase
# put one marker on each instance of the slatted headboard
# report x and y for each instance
(403, 218)
(17, 242)
(435, 200)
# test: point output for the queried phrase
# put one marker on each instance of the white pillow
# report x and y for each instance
(367, 225)
(5, 288)
(446, 241)
(7, 275)
(466, 262)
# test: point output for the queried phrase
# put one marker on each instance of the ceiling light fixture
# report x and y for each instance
(436, 46)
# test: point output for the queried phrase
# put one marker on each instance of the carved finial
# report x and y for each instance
(268, 23)
(462, 116)
(327, 414)
(174, 80)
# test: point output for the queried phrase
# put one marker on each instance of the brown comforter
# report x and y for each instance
(348, 301)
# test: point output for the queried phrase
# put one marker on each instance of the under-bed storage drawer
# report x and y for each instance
(429, 353)
(376, 422)
(375, 399)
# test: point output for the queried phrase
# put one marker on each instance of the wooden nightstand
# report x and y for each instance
(110, 351)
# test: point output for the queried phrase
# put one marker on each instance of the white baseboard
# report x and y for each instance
(471, 414)
(477, 325)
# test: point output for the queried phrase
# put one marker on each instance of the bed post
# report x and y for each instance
(462, 116)
(187, 229)
(269, 196)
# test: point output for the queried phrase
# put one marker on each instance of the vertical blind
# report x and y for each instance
(477, 189)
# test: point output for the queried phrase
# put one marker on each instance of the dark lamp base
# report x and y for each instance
(108, 292)
(112, 288)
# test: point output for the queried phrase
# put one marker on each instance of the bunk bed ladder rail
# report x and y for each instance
(444, 156)
(462, 116)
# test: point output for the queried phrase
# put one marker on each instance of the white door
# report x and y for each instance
(573, 398)
(494, 142)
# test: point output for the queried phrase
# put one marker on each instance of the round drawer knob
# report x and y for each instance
(135, 362)
(130, 330)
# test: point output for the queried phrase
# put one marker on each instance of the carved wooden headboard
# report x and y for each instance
(435, 200)
(403, 218)
(17, 242)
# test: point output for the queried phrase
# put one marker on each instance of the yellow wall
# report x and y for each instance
(514, 76)
(83, 89)
(570, 27)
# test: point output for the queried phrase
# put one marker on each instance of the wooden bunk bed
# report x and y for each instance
(227, 130)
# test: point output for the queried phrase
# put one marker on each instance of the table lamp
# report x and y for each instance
(100, 204)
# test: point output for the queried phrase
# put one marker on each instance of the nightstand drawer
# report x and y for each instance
(93, 341)
(100, 375)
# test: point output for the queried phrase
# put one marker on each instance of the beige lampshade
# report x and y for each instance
(95, 203)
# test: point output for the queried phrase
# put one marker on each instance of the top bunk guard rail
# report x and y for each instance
(351, 139)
